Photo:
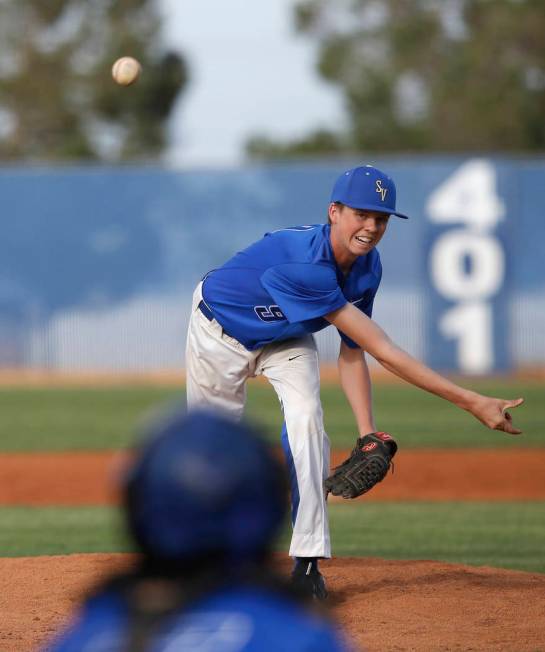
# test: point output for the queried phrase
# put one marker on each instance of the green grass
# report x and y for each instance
(104, 418)
(419, 420)
(55, 419)
(30, 531)
(509, 535)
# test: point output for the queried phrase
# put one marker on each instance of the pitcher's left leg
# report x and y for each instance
(293, 370)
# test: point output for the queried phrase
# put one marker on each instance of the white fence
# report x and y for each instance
(149, 333)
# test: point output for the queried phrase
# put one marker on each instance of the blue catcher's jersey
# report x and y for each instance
(233, 620)
(281, 286)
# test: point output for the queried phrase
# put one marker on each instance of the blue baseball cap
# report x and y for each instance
(368, 188)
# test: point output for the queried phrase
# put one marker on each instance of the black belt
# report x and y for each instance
(206, 311)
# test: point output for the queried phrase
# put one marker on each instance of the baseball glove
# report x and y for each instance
(368, 464)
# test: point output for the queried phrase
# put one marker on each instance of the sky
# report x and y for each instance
(251, 73)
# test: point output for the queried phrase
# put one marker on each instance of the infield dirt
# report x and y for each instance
(424, 474)
(384, 606)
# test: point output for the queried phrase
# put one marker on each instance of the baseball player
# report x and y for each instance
(203, 515)
(255, 315)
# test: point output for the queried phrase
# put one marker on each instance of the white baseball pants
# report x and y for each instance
(217, 367)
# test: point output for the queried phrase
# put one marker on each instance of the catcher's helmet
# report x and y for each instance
(204, 484)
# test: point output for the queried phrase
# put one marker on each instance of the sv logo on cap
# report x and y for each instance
(380, 189)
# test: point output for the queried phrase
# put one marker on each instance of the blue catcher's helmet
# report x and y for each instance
(204, 484)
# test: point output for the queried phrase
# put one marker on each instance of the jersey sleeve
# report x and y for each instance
(303, 291)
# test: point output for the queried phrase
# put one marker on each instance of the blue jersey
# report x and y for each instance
(283, 285)
(232, 620)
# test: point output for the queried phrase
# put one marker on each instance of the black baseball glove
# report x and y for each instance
(368, 464)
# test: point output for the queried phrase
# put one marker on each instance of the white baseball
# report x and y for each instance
(126, 70)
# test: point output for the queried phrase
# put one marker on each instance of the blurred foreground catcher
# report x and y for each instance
(204, 499)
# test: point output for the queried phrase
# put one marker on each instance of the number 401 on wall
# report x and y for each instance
(467, 261)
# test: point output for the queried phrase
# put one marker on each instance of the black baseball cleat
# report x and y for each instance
(307, 580)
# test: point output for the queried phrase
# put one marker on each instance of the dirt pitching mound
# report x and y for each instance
(382, 605)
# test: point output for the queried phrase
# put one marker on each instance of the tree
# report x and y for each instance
(427, 75)
(57, 98)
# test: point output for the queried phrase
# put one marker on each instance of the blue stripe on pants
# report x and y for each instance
(292, 474)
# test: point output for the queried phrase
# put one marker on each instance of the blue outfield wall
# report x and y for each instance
(98, 264)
